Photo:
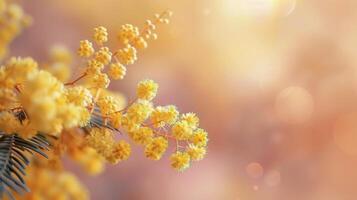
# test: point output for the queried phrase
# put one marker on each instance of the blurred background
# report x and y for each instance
(273, 81)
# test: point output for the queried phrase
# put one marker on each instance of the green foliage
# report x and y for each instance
(13, 161)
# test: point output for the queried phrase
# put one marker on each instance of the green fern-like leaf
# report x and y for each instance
(13, 161)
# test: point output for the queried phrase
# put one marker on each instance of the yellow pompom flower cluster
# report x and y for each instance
(130, 34)
(142, 135)
(88, 159)
(59, 63)
(12, 21)
(156, 148)
(103, 56)
(186, 129)
(82, 120)
(117, 71)
(151, 25)
(164, 115)
(85, 48)
(74, 144)
(43, 97)
(127, 55)
(102, 140)
(153, 127)
(127, 33)
(108, 104)
(180, 160)
(139, 111)
(196, 152)
(120, 151)
(181, 130)
(148, 126)
(79, 95)
(132, 39)
(147, 90)
(42, 184)
(100, 35)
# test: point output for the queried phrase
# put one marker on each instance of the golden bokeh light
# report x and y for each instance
(254, 170)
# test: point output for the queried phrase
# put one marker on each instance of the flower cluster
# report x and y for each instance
(41, 182)
(43, 97)
(81, 120)
(102, 140)
(59, 63)
(152, 127)
(98, 58)
(12, 21)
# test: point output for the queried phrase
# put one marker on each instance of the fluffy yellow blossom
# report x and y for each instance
(19, 69)
(128, 124)
(180, 160)
(101, 139)
(83, 119)
(108, 104)
(94, 67)
(196, 153)
(103, 55)
(13, 21)
(94, 166)
(101, 80)
(79, 95)
(84, 116)
(156, 148)
(199, 138)
(163, 115)
(191, 119)
(15, 12)
(2, 6)
(73, 116)
(66, 186)
(60, 70)
(43, 99)
(146, 89)
(8, 122)
(127, 55)
(127, 33)
(120, 151)
(140, 43)
(181, 130)
(89, 159)
(85, 48)
(142, 135)
(100, 35)
(61, 54)
(116, 119)
(7, 98)
(117, 71)
(119, 97)
(42, 84)
(70, 115)
(139, 111)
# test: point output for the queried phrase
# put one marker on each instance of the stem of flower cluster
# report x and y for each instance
(76, 80)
